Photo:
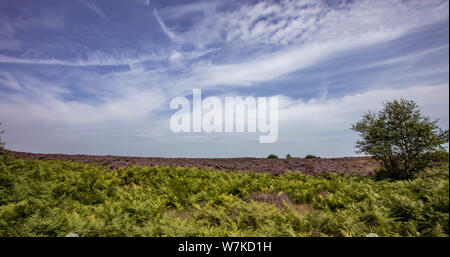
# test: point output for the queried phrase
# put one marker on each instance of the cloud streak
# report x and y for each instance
(164, 28)
(97, 59)
(93, 7)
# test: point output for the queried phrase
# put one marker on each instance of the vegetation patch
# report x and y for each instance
(277, 199)
(55, 198)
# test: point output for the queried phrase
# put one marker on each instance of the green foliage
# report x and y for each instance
(438, 157)
(310, 156)
(272, 156)
(288, 156)
(54, 198)
(401, 137)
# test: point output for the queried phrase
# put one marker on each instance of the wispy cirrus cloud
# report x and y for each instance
(11, 25)
(95, 59)
(282, 37)
(8, 80)
(292, 22)
(164, 28)
(93, 7)
(276, 64)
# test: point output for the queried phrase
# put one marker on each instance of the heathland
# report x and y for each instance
(55, 197)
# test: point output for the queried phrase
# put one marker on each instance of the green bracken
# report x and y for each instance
(54, 198)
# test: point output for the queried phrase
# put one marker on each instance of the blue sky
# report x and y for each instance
(97, 77)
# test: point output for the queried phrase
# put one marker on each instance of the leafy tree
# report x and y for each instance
(272, 156)
(401, 137)
(310, 156)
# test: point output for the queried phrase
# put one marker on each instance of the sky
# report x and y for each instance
(97, 77)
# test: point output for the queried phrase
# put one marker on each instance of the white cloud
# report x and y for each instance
(7, 79)
(95, 59)
(43, 102)
(164, 28)
(271, 66)
(292, 21)
(11, 25)
(52, 110)
(311, 32)
(93, 7)
(328, 115)
(175, 56)
(317, 117)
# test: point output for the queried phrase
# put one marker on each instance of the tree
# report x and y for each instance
(400, 137)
